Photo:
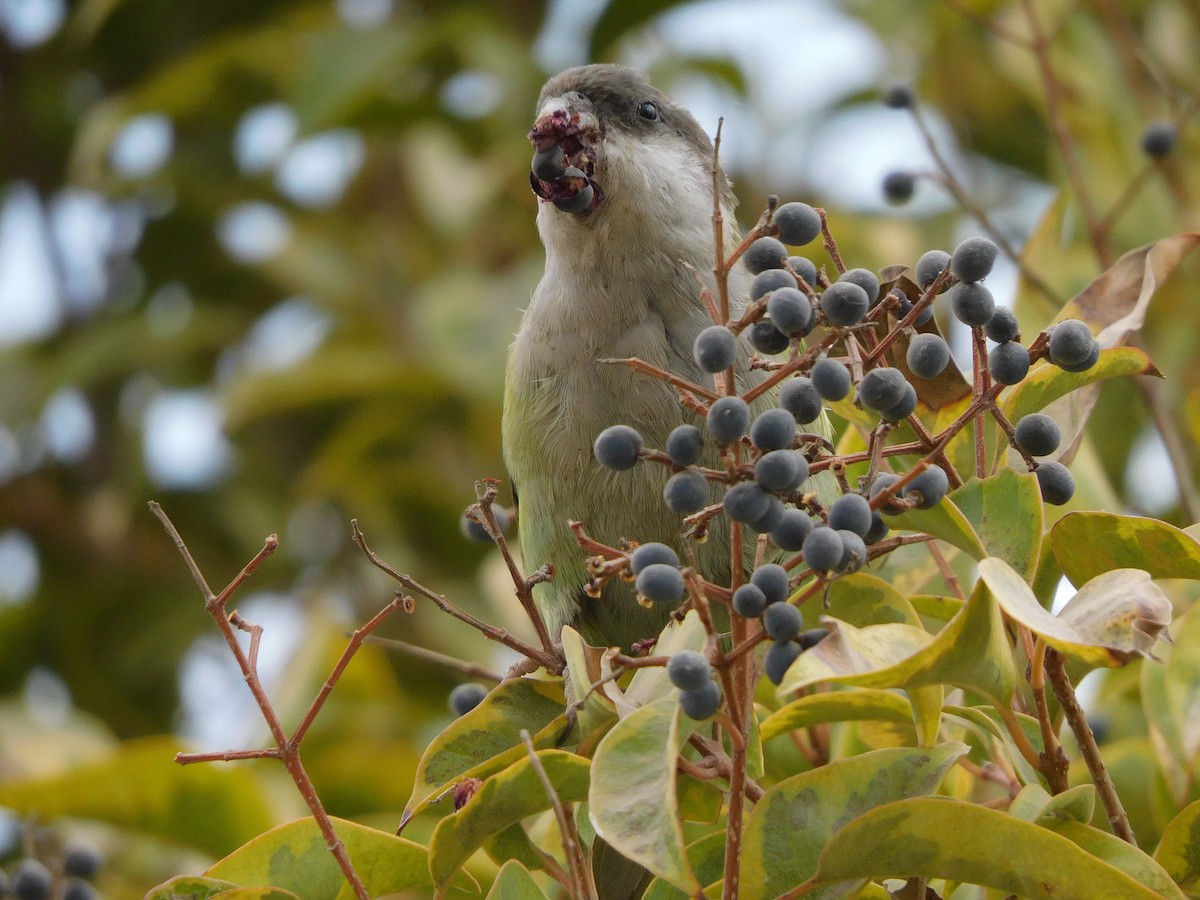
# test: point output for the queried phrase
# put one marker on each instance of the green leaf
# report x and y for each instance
(633, 798)
(862, 599)
(1114, 617)
(257, 893)
(944, 838)
(140, 786)
(488, 738)
(1034, 803)
(1179, 850)
(791, 823)
(193, 887)
(513, 843)
(707, 858)
(838, 706)
(1121, 854)
(1090, 543)
(972, 651)
(295, 857)
(513, 882)
(583, 670)
(1005, 512)
(945, 521)
(987, 721)
(1171, 700)
(503, 800)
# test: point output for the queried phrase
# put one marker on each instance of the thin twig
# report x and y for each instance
(581, 887)
(469, 669)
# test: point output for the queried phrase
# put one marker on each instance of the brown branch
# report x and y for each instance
(581, 888)
(469, 669)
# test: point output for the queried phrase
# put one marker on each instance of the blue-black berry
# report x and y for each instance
(617, 447)
(781, 471)
(1070, 342)
(772, 579)
(689, 670)
(1002, 326)
(799, 396)
(854, 551)
(770, 280)
(899, 96)
(649, 554)
(773, 429)
(1008, 363)
(928, 355)
(701, 704)
(466, 697)
(929, 267)
(1055, 481)
(898, 187)
(972, 303)
(746, 502)
(845, 303)
(798, 223)
(686, 492)
(727, 420)
(805, 268)
(830, 378)
(771, 518)
(973, 259)
(1092, 358)
(851, 512)
(1158, 139)
(779, 658)
(782, 621)
(904, 407)
(548, 164)
(928, 488)
(766, 338)
(685, 443)
(812, 637)
(749, 601)
(660, 583)
(765, 253)
(881, 388)
(1037, 434)
(790, 311)
(823, 549)
(792, 529)
(715, 349)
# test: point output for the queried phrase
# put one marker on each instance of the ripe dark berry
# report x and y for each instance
(766, 338)
(685, 443)
(617, 447)
(749, 601)
(844, 303)
(779, 659)
(1008, 363)
(878, 530)
(1092, 359)
(929, 267)
(474, 531)
(790, 311)
(805, 268)
(973, 259)
(727, 420)
(830, 378)
(1037, 434)
(928, 355)
(854, 551)
(899, 96)
(466, 697)
(689, 670)
(812, 637)
(771, 518)
(1158, 139)
(1070, 342)
(904, 408)
(823, 549)
(548, 164)
(1056, 482)
(770, 280)
(686, 492)
(928, 488)
(792, 529)
(715, 349)
(798, 223)
(799, 397)
(701, 704)
(773, 580)
(782, 621)
(31, 881)
(78, 889)
(882, 482)
(1002, 326)
(898, 187)
(660, 583)
(865, 279)
(765, 253)
(746, 502)
(881, 389)
(582, 200)
(781, 470)
(972, 303)
(649, 554)
(851, 512)
(773, 429)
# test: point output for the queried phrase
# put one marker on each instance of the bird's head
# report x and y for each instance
(610, 146)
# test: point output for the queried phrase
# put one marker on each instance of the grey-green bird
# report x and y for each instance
(626, 219)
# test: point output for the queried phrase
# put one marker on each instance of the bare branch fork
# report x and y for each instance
(287, 747)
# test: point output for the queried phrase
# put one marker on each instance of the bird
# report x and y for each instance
(625, 181)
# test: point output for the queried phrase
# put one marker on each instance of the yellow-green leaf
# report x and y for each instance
(1005, 512)
(632, 800)
(513, 882)
(194, 887)
(707, 858)
(1179, 850)
(487, 738)
(944, 838)
(295, 857)
(1090, 543)
(214, 808)
(1171, 700)
(1035, 804)
(863, 599)
(838, 706)
(503, 800)
(791, 823)
(1114, 617)
(945, 521)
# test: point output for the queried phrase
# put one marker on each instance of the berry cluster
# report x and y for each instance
(31, 879)
(768, 463)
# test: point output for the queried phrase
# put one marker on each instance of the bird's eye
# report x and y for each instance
(648, 110)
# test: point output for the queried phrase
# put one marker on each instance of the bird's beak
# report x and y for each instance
(564, 138)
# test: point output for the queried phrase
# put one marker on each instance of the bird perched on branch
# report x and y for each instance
(625, 178)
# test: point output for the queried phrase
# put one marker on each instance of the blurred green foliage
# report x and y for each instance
(422, 267)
